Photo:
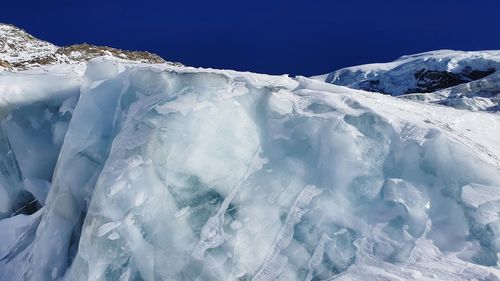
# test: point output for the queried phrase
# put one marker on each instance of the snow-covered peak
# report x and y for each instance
(16, 45)
(20, 51)
(456, 78)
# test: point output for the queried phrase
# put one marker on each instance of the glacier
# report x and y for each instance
(459, 79)
(134, 171)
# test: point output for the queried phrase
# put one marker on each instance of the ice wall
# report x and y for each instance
(35, 110)
(186, 174)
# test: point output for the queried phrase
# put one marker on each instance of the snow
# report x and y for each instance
(161, 172)
(475, 195)
(27, 88)
(451, 78)
(20, 46)
(20, 51)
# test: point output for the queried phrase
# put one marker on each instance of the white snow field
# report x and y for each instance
(158, 172)
(464, 80)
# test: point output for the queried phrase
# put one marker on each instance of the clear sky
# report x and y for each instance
(295, 37)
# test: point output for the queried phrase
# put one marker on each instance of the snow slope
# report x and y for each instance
(175, 173)
(465, 80)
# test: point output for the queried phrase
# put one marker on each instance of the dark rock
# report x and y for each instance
(431, 80)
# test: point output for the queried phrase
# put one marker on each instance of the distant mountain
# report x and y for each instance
(20, 51)
(466, 80)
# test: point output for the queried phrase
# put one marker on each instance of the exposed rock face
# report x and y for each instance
(5, 64)
(430, 80)
(86, 52)
(20, 51)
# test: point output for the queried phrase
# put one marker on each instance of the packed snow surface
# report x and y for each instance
(158, 172)
(464, 80)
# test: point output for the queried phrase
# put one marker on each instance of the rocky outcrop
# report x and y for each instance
(20, 51)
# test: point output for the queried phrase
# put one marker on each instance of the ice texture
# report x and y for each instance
(33, 124)
(174, 173)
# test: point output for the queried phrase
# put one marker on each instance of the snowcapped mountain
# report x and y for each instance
(466, 80)
(20, 51)
(138, 171)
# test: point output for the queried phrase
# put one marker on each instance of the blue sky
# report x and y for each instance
(295, 37)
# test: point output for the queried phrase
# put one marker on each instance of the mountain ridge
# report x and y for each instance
(20, 50)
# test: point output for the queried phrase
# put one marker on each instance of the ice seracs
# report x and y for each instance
(172, 173)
